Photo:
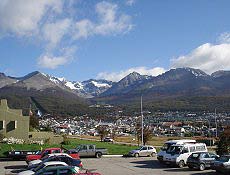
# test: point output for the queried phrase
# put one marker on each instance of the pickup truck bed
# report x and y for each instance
(20, 154)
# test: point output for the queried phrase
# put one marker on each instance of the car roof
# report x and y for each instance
(59, 154)
(185, 141)
(62, 167)
(52, 148)
(54, 163)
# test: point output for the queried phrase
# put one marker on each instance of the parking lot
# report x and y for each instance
(115, 166)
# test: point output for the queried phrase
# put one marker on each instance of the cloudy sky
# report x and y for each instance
(83, 39)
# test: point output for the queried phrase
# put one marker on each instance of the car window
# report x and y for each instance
(185, 150)
(212, 155)
(65, 172)
(84, 147)
(56, 151)
(206, 155)
(144, 148)
(91, 147)
(195, 155)
(224, 159)
(150, 147)
(192, 149)
(50, 172)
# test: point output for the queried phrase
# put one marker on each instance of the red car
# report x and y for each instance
(49, 151)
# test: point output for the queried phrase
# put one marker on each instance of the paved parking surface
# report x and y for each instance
(115, 166)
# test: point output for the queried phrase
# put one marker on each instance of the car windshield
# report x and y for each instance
(174, 149)
(223, 159)
(79, 148)
(166, 146)
(45, 157)
(39, 167)
(38, 152)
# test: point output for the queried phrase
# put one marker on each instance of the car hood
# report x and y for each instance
(28, 172)
(135, 150)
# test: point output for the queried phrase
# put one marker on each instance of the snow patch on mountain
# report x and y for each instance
(99, 85)
(196, 72)
(70, 85)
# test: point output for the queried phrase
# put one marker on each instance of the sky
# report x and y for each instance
(108, 39)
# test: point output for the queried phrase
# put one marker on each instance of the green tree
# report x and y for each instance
(34, 123)
(102, 131)
(147, 134)
(223, 144)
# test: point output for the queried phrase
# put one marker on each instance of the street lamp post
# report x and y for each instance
(142, 133)
(216, 123)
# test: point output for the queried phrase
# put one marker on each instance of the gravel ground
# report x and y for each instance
(115, 166)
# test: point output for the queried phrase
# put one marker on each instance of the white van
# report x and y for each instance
(178, 154)
(167, 145)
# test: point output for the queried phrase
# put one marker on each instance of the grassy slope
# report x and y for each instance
(112, 148)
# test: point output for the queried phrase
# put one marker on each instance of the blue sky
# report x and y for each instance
(83, 39)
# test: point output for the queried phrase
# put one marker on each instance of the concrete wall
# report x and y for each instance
(13, 123)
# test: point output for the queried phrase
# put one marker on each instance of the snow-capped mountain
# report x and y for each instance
(86, 89)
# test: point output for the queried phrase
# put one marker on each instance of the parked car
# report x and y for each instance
(58, 170)
(168, 144)
(63, 170)
(178, 154)
(222, 164)
(143, 151)
(63, 157)
(21, 154)
(41, 166)
(108, 139)
(201, 160)
(89, 151)
(49, 151)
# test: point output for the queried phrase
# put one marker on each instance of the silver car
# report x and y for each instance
(143, 151)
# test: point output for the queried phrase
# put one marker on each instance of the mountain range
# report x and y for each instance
(58, 95)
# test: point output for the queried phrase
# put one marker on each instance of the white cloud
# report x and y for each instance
(116, 76)
(54, 32)
(206, 57)
(83, 29)
(130, 2)
(52, 62)
(52, 24)
(110, 22)
(23, 17)
(224, 38)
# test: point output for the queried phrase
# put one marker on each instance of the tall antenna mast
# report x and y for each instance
(142, 133)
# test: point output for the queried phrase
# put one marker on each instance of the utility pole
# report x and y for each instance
(142, 133)
(216, 123)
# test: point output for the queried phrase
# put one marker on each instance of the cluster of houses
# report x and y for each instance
(161, 124)
(14, 124)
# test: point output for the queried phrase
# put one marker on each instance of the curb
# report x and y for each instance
(107, 156)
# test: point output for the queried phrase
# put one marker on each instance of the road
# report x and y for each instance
(115, 166)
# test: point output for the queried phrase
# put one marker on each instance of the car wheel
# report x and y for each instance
(181, 164)
(190, 167)
(153, 154)
(136, 155)
(202, 167)
(98, 155)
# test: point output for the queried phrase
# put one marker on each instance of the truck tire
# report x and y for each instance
(181, 164)
(98, 155)
(136, 155)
